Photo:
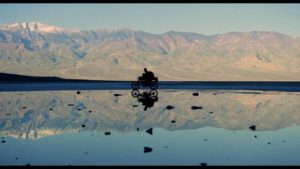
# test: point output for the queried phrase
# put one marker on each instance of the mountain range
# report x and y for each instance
(36, 49)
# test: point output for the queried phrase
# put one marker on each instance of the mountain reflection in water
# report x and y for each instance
(38, 114)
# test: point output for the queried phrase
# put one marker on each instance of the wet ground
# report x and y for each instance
(178, 127)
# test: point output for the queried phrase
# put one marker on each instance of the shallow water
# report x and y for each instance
(68, 128)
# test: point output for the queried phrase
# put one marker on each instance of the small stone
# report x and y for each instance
(78, 92)
(205, 139)
(24, 107)
(70, 104)
(107, 133)
(211, 112)
(137, 129)
(203, 164)
(255, 136)
(169, 107)
(252, 127)
(86, 153)
(173, 121)
(150, 131)
(269, 143)
(117, 94)
(50, 109)
(283, 141)
(83, 125)
(78, 109)
(17, 158)
(90, 111)
(195, 94)
(147, 149)
(3, 141)
(135, 105)
(196, 107)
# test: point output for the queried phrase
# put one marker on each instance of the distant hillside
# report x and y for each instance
(6, 77)
(35, 49)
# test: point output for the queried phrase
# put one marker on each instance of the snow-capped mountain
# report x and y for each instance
(33, 48)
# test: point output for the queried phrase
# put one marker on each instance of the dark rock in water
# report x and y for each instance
(135, 105)
(283, 141)
(211, 112)
(269, 143)
(205, 139)
(117, 94)
(107, 133)
(78, 92)
(50, 109)
(169, 107)
(195, 94)
(24, 107)
(203, 164)
(252, 128)
(147, 149)
(70, 104)
(137, 129)
(150, 131)
(3, 141)
(8, 114)
(83, 125)
(17, 158)
(78, 109)
(90, 111)
(165, 146)
(255, 136)
(86, 153)
(28, 164)
(173, 121)
(196, 107)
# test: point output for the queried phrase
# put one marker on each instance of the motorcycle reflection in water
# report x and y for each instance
(147, 98)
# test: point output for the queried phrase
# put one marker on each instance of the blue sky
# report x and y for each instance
(207, 19)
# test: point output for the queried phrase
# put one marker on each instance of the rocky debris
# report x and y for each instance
(78, 92)
(70, 104)
(147, 149)
(196, 94)
(117, 94)
(203, 164)
(107, 133)
(252, 127)
(169, 107)
(135, 105)
(150, 131)
(173, 121)
(83, 125)
(196, 107)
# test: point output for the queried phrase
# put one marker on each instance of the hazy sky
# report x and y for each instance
(159, 18)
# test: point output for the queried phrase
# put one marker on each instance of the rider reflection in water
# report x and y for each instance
(148, 98)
